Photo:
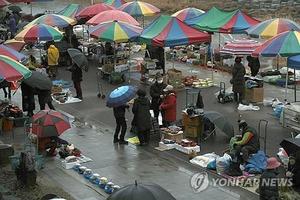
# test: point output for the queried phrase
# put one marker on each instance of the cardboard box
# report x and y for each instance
(187, 150)
(191, 121)
(254, 95)
(174, 75)
(167, 146)
(192, 131)
(175, 137)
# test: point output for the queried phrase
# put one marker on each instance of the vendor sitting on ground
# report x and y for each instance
(48, 145)
(246, 144)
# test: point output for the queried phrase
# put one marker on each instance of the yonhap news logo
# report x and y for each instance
(200, 182)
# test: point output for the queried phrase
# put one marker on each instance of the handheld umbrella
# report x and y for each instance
(15, 8)
(79, 58)
(47, 123)
(39, 81)
(11, 70)
(291, 145)
(136, 191)
(121, 96)
(4, 3)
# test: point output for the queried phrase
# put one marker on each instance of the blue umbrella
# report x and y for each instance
(121, 96)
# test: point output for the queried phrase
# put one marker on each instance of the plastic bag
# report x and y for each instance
(278, 110)
(243, 107)
(223, 163)
(283, 156)
(204, 160)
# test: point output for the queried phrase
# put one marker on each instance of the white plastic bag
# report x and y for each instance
(223, 163)
(203, 160)
(243, 107)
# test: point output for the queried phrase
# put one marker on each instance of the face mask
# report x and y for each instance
(159, 81)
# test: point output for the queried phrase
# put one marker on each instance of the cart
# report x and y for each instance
(223, 96)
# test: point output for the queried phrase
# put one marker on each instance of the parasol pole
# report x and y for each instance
(286, 83)
(295, 86)
(129, 64)
(277, 62)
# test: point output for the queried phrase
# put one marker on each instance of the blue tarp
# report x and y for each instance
(294, 62)
(257, 163)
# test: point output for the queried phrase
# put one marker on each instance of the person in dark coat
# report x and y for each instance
(156, 93)
(238, 80)
(142, 117)
(119, 114)
(253, 64)
(294, 170)
(77, 78)
(4, 84)
(268, 184)
(168, 106)
(74, 41)
(28, 103)
(44, 97)
(12, 26)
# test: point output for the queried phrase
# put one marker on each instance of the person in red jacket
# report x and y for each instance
(168, 106)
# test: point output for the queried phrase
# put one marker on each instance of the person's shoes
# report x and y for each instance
(143, 144)
(116, 140)
(123, 142)
(80, 98)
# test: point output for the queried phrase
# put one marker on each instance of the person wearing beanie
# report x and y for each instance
(156, 93)
(168, 106)
(268, 184)
(238, 80)
(142, 118)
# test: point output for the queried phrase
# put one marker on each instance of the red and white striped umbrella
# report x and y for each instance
(240, 47)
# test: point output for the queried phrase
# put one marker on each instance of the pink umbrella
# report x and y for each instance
(240, 47)
(112, 15)
(93, 10)
(3, 3)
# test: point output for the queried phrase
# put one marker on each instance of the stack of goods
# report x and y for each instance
(95, 179)
(187, 146)
(60, 90)
(13, 111)
(172, 133)
(175, 78)
(69, 150)
(254, 91)
(193, 81)
(167, 144)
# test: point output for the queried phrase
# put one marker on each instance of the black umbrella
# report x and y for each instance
(14, 8)
(39, 81)
(79, 58)
(291, 145)
(141, 191)
(221, 122)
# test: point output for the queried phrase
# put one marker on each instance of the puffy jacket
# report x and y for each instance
(168, 107)
(141, 111)
(53, 55)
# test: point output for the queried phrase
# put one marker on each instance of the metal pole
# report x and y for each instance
(92, 2)
(295, 86)
(129, 65)
(286, 83)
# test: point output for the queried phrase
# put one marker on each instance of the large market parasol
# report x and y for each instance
(272, 27)
(139, 9)
(11, 70)
(115, 32)
(13, 54)
(70, 10)
(47, 123)
(188, 13)
(93, 10)
(15, 44)
(115, 3)
(4, 3)
(217, 20)
(284, 44)
(38, 33)
(144, 191)
(170, 31)
(121, 96)
(112, 15)
(240, 47)
(59, 21)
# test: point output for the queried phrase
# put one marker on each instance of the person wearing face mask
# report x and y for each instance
(247, 143)
(168, 106)
(156, 93)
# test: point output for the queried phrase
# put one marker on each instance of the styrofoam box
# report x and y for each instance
(69, 165)
(187, 150)
(167, 146)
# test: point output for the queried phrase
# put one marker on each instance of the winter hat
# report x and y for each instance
(169, 88)
(273, 163)
(238, 60)
(141, 93)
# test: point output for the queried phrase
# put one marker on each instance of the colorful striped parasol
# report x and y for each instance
(272, 27)
(59, 21)
(93, 10)
(11, 70)
(139, 8)
(15, 44)
(115, 3)
(220, 21)
(115, 32)
(112, 15)
(38, 33)
(4, 3)
(13, 54)
(70, 11)
(240, 47)
(285, 44)
(188, 13)
(170, 31)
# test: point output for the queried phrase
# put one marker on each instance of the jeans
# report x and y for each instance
(121, 125)
(77, 87)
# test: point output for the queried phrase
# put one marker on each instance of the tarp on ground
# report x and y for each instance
(217, 20)
(167, 31)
